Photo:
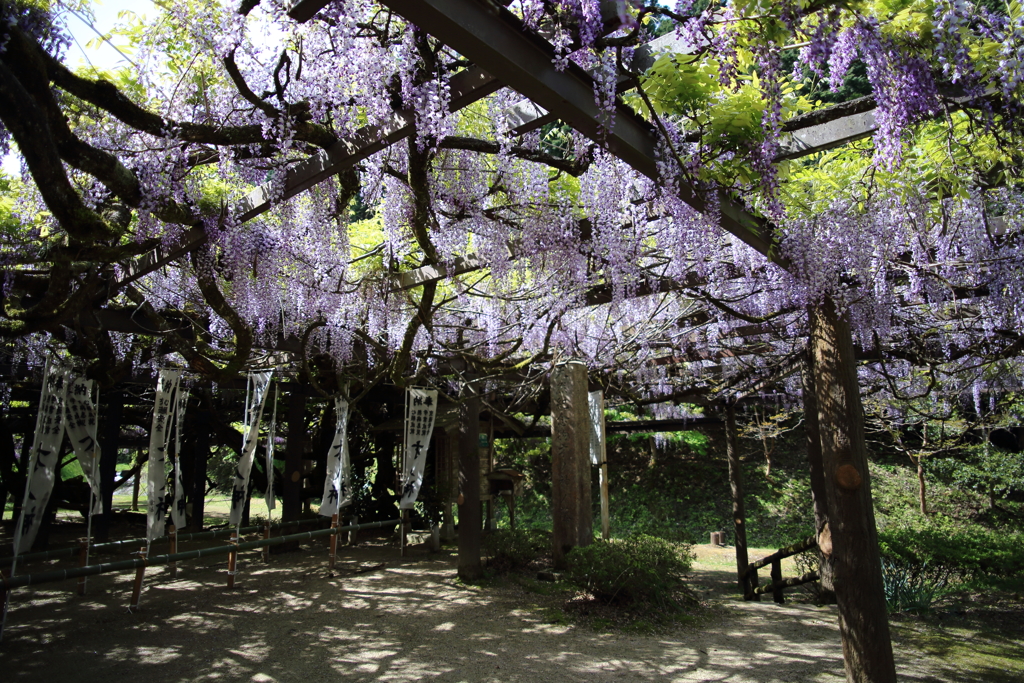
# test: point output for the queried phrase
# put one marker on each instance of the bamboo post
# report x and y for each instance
(232, 559)
(83, 560)
(334, 541)
(405, 516)
(266, 535)
(137, 588)
(172, 537)
(352, 540)
(777, 594)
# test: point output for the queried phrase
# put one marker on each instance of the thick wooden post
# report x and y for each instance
(140, 572)
(572, 517)
(291, 494)
(777, 593)
(863, 619)
(470, 567)
(818, 495)
(739, 514)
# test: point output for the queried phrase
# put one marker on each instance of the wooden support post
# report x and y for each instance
(334, 542)
(863, 617)
(352, 539)
(777, 594)
(819, 496)
(172, 536)
(470, 566)
(739, 515)
(140, 572)
(570, 460)
(753, 583)
(232, 560)
(83, 559)
(266, 536)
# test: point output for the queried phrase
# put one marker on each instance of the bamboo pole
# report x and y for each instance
(70, 551)
(83, 561)
(232, 559)
(334, 542)
(157, 560)
(266, 535)
(173, 548)
(140, 571)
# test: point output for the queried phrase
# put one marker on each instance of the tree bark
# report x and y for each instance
(109, 441)
(826, 566)
(291, 493)
(470, 567)
(863, 619)
(200, 458)
(739, 514)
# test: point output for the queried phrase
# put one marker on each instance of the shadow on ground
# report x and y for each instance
(409, 620)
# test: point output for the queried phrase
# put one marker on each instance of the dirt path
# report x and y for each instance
(409, 620)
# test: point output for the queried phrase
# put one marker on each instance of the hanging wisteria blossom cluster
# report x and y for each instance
(452, 235)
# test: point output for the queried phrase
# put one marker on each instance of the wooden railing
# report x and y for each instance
(753, 591)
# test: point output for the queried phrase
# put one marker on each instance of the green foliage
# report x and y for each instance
(516, 548)
(938, 542)
(907, 586)
(989, 470)
(639, 568)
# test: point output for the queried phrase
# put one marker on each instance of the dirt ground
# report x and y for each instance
(382, 617)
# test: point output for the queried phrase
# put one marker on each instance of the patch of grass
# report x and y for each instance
(967, 655)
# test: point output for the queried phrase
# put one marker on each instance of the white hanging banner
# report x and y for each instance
(178, 517)
(82, 414)
(420, 410)
(269, 462)
(44, 456)
(338, 485)
(253, 414)
(157, 503)
(596, 403)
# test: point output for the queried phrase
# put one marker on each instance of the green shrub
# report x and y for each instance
(516, 548)
(638, 568)
(965, 551)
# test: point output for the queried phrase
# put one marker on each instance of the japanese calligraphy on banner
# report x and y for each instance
(259, 382)
(338, 485)
(269, 464)
(81, 415)
(44, 454)
(420, 409)
(596, 404)
(159, 435)
(178, 504)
